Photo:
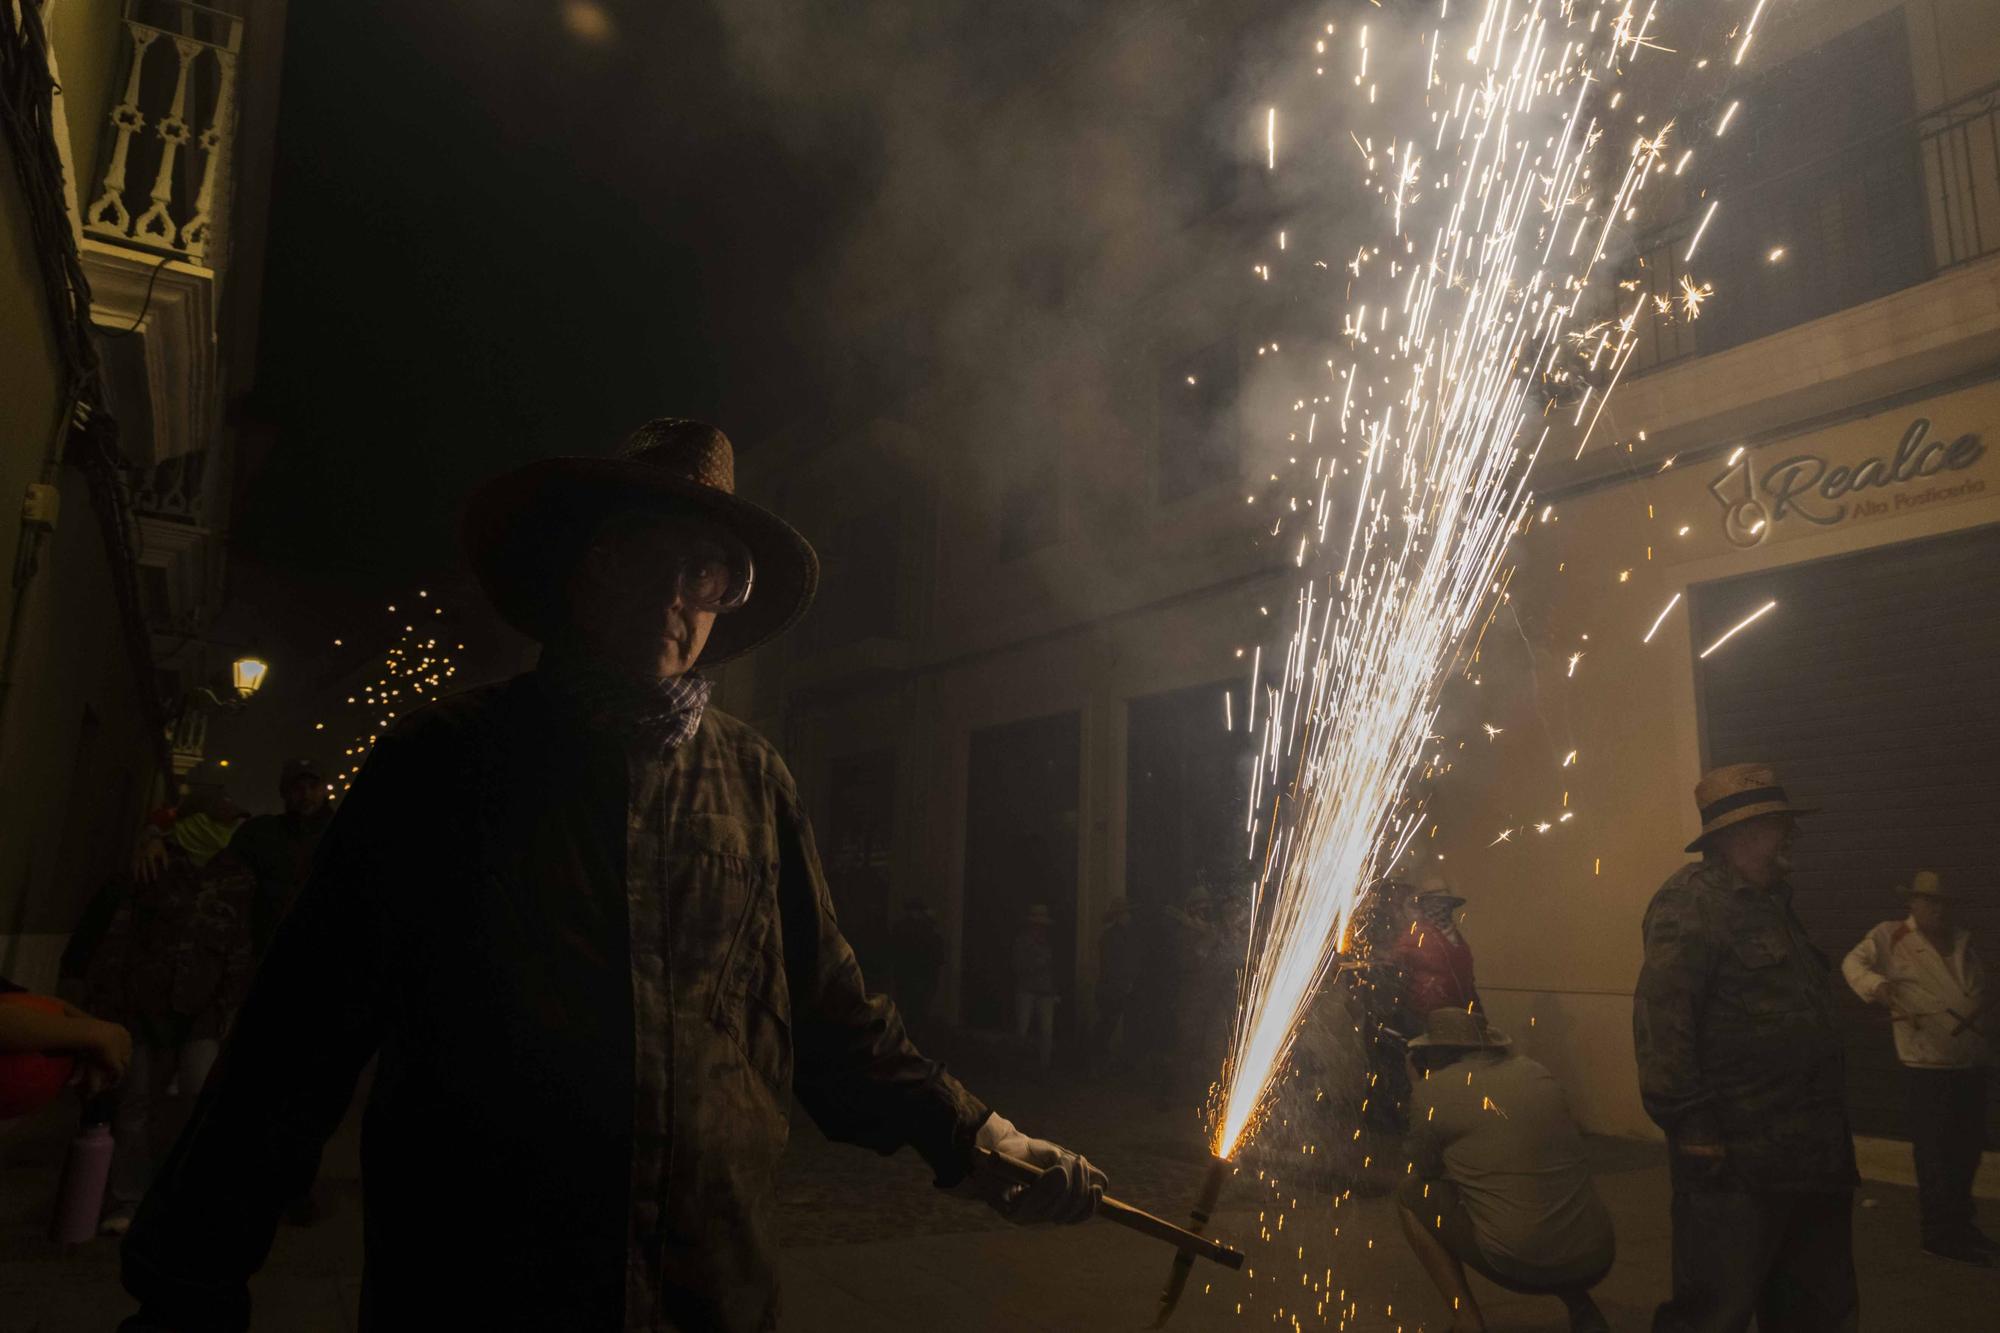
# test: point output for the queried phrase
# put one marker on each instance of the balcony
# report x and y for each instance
(1870, 218)
(170, 133)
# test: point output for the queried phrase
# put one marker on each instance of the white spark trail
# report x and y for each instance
(1443, 460)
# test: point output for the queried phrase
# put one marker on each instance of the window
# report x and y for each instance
(1819, 167)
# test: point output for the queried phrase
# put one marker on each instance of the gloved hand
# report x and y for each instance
(1067, 1192)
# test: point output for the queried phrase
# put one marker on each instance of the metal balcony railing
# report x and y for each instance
(1843, 227)
(171, 132)
(1959, 147)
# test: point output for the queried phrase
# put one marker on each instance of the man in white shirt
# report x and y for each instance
(1924, 971)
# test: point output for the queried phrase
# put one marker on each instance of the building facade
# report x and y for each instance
(1017, 686)
(133, 215)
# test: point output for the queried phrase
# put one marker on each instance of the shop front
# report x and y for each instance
(1826, 599)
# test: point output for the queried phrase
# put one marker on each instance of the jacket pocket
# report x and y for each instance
(1764, 984)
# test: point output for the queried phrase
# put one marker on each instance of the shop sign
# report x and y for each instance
(1921, 471)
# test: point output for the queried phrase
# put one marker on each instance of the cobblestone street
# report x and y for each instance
(871, 1244)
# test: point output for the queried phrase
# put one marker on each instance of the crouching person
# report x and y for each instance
(1500, 1185)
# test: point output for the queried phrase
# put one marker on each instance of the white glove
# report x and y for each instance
(1067, 1192)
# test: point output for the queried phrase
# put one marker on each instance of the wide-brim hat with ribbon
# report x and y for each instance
(1458, 1029)
(1924, 884)
(525, 529)
(1736, 792)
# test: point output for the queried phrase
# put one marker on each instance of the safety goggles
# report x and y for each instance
(712, 573)
(706, 569)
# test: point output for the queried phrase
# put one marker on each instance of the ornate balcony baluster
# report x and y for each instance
(184, 218)
(108, 212)
(214, 143)
(157, 223)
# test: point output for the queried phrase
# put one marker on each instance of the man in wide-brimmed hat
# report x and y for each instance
(580, 920)
(1925, 972)
(1741, 1063)
(1498, 1180)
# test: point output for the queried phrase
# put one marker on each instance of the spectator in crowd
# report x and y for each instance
(1117, 971)
(1035, 983)
(1433, 957)
(916, 958)
(173, 966)
(1925, 972)
(1741, 1063)
(1498, 1182)
(278, 848)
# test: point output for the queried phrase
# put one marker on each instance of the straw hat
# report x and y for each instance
(1038, 915)
(524, 530)
(1925, 884)
(1440, 890)
(1736, 792)
(1455, 1029)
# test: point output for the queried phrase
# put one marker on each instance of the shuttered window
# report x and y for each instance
(1874, 686)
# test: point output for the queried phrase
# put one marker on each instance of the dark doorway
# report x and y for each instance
(860, 860)
(1020, 849)
(1187, 783)
(1873, 687)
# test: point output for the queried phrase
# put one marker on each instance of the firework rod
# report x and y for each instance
(1177, 1276)
(1190, 1244)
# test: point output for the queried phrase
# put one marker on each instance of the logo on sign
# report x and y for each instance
(1807, 487)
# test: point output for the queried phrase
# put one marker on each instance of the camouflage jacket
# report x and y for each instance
(595, 973)
(175, 959)
(1734, 1024)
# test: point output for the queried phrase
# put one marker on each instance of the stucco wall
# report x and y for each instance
(1555, 916)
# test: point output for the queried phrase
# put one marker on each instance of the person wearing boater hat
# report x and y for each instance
(1925, 972)
(1741, 1063)
(1498, 1180)
(580, 919)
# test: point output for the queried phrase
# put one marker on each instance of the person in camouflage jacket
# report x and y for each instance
(580, 921)
(1740, 1062)
(173, 965)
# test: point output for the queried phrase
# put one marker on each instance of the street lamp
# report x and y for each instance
(247, 674)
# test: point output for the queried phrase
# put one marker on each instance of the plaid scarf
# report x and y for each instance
(662, 714)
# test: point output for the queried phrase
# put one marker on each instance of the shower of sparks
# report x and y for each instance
(1739, 627)
(1661, 618)
(1500, 181)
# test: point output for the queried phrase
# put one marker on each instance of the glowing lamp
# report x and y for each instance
(247, 674)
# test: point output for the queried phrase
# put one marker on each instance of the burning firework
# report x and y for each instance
(1496, 181)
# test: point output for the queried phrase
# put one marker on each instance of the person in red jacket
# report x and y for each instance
(1433, 956)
